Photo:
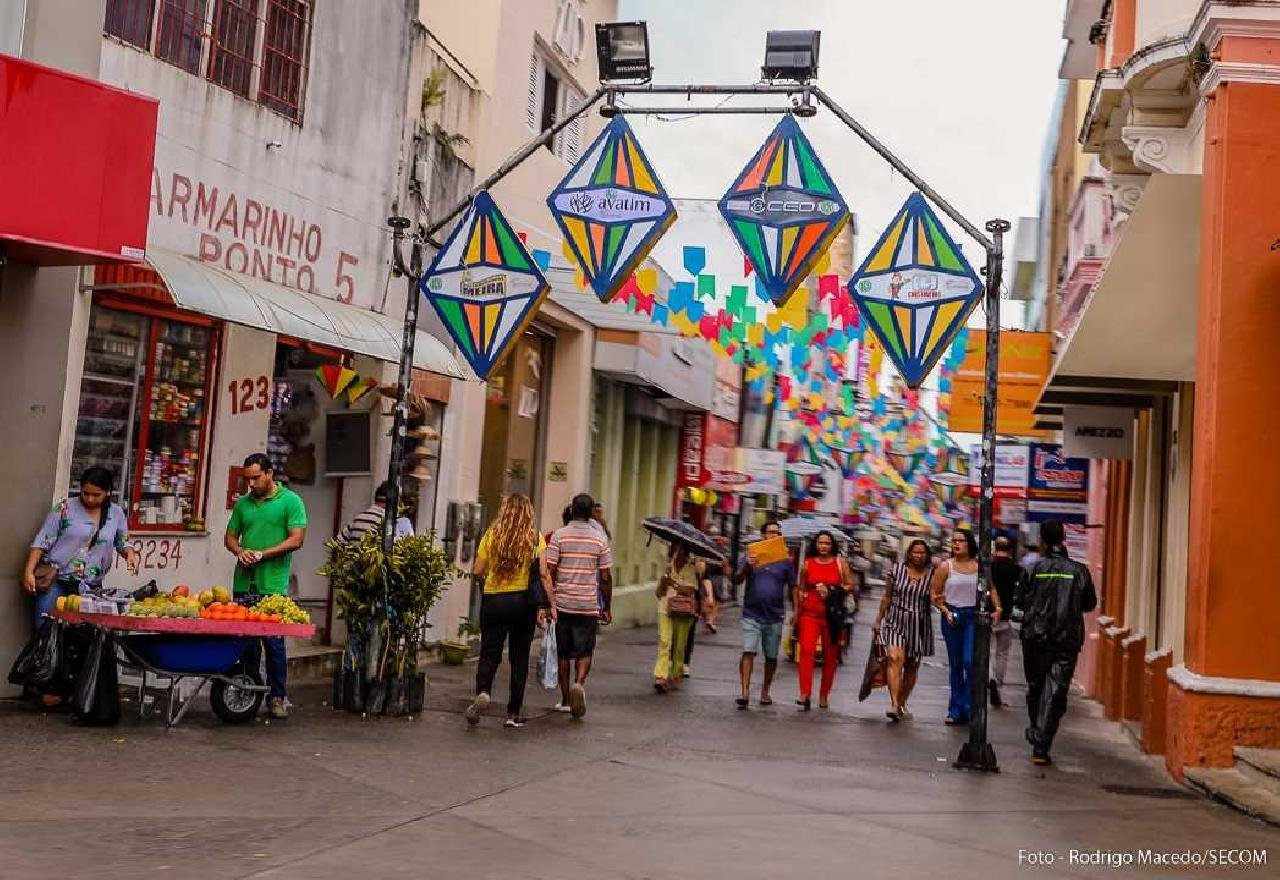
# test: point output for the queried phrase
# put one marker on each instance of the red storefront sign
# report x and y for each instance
(75, 167)
(707, 446)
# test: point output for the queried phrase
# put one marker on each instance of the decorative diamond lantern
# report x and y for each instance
(484, 285)
(611, 208)
(784, 210)
(916, 289)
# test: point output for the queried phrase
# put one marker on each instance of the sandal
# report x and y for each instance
(766, 701)
(661, 686)
(742, 702)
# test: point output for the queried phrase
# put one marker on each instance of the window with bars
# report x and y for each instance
(284, 56)
(257, 49)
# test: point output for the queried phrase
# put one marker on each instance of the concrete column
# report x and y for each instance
(1155, 701)
(1232, 606)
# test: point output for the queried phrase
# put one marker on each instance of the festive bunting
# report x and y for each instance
(611, 208)
(360, 389)
(484, 285)
(784, 210)
(335, 378)
(916, 289)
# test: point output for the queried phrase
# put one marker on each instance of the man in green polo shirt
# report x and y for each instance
(267, 524)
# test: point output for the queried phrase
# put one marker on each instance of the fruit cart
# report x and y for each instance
(207, 651)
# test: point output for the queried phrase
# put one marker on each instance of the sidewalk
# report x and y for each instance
(675, 786)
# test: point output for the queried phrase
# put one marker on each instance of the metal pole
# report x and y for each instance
(977, 753)
(401, 413)
(901, 167)
(516, 158)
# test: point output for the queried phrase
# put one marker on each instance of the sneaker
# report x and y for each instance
(278, 708)
(688, 671)
(477, 708)
(561, 707)
(904, 713)
(1040, 758)
(514, 723)
(577, 701)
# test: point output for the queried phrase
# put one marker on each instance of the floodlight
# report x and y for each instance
(791, 55)
(622, 50)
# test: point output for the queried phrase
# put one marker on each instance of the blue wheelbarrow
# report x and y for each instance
(236, 689)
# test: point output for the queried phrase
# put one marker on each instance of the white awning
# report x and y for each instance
(1140, 320)
(202, 287)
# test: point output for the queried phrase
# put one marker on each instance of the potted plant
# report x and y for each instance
(457, 649)
(384, 600)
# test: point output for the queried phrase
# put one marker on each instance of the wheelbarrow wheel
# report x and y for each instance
(236, 705)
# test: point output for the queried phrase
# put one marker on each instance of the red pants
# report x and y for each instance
(809, 629)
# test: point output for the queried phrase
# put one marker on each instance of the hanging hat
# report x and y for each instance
(422, 453)
(422, 432)
(420, 471)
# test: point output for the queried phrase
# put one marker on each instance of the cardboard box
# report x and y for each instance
(769, 550)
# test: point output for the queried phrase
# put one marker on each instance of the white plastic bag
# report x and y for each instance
(548, 667)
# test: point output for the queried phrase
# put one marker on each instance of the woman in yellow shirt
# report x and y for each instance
(510, 551)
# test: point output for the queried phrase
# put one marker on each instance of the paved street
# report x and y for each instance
(647, 787)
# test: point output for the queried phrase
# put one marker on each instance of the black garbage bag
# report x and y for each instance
(97, 694)
(76, 642)
(38, 661)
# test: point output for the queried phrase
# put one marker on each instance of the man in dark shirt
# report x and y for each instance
(763, 611)
(1006, 575)
(1058, 594)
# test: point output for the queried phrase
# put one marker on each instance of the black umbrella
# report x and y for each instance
(673, 531)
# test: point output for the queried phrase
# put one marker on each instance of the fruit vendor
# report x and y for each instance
(268, 523)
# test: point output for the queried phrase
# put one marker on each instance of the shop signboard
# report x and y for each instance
(1012, 464)
(1057, 486)
(692, 450)
(1097, 432)
(751, 472)
(1024, 369)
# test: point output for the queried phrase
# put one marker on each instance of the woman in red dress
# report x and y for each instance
(824, 573)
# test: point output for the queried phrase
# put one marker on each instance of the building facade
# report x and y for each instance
(1168, 243)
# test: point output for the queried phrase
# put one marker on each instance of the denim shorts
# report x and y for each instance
(761, 638)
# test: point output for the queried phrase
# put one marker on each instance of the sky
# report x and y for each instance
(962, 91)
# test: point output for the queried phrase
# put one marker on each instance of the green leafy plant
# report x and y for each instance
(385, 599)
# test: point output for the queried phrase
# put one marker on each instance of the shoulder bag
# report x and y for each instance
(679, 604)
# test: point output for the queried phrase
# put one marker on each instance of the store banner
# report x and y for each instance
(1012, 463)
(1058, 486)
(748, 472)
(1097, 432)
(1024, 369)
(692, 450)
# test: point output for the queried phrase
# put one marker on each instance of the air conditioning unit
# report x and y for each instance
(1091, 250)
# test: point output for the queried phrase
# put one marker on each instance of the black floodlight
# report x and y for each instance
(791, 55)
(622, 49)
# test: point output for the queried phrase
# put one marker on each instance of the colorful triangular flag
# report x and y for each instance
(916, 290)
(335, 378)
(360, 389)
(484, 285)
(611, 208)
(784, 210)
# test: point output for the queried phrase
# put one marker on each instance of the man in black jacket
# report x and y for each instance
(1057, 595)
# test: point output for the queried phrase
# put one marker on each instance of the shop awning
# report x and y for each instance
(202, 287)
(1149, 291)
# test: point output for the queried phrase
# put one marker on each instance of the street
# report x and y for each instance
(647, 786)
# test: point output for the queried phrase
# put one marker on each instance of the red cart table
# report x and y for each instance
(176, 648)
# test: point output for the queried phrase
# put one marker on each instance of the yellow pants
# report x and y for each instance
(673, 635)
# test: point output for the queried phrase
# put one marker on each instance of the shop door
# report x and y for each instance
(514, 424)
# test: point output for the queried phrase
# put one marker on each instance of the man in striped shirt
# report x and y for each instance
(370, 519)
(580, 563)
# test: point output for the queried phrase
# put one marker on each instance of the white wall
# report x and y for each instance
(1160, 19)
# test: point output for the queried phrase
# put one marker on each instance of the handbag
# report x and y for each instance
(537, 592)
(679, 604)
(873, 676)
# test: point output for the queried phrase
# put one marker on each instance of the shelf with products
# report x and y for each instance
(144, 409)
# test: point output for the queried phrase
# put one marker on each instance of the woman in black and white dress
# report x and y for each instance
(905, 625)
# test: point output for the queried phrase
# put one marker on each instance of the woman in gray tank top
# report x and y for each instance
(955, 595)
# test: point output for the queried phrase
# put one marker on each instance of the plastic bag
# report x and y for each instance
(97, 696)
(548, 660)
(873, 675)
(38, 663)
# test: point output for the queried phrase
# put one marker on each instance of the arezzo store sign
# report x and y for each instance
(201, 208)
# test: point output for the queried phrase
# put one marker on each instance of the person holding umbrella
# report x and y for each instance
(823, 575)
(677, 593)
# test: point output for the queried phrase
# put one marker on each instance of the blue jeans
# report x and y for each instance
(277, 663)
(43, 603)
(959, 639)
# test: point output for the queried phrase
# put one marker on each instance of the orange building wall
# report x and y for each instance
(1124, 19)
(1232, 607)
